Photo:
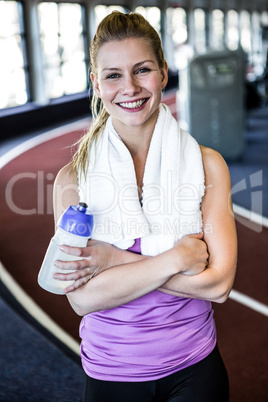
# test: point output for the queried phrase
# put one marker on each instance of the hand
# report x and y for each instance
(192, 254)
(96, 257)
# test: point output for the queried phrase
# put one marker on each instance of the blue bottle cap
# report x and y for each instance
(78, 220)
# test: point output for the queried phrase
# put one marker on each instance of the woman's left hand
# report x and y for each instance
(97, 256)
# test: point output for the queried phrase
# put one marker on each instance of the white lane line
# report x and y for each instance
(35, 311)
(249, 302)
(28, 303)
(251, 216)
(39, 139)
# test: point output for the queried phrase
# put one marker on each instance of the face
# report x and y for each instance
(129, 82)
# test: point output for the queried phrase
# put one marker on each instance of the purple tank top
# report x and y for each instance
(148, 338)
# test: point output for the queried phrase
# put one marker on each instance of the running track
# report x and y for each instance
(27, 224)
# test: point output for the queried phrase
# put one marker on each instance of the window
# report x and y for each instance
(232, 30)
(217, 29)
(200, 30)
(63, 48)
(264, 18)
(102, 11)
(176, 21)
(245, 31)
(256, 30)
(257, 60)
(153, 15)
(177, 29)
(13, 70)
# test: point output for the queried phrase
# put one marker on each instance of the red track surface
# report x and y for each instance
(242, 333)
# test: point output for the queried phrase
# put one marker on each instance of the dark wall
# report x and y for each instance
(21, 120)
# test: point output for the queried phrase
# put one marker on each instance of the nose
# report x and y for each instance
(130, 86)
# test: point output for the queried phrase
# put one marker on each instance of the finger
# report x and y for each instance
(77, 284)
(197, 235)
(77, 251)
(73, 276)
(72, 265)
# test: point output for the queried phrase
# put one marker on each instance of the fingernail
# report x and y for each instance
(56, 263)
(62, 248)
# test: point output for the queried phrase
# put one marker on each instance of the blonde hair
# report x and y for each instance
(115, 27)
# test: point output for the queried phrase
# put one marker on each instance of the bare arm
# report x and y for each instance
(216, 281)
(125, 282)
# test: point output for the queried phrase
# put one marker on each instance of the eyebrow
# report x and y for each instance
(135, 65)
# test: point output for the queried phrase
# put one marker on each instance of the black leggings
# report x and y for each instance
(206, 381)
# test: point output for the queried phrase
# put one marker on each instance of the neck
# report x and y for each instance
(137, 138)
(138, 142)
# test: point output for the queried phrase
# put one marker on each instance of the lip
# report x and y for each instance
(137, 109)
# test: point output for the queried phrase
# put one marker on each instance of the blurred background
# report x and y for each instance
(217, 90)
(44, 50)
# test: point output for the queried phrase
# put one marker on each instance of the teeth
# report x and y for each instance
(132, 105)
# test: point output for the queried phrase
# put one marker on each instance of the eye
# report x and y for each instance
(112, 76)
(143, 70)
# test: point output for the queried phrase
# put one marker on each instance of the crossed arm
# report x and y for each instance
(201, 267)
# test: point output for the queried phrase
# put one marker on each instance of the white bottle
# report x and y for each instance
(74, 229)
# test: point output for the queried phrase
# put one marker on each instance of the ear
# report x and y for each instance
(95, 84)
(164, 75)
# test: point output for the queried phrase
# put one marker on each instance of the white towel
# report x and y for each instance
(173, 187)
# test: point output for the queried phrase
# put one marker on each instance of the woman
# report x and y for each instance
(157, 259)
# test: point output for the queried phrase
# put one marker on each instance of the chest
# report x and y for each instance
(139, 165)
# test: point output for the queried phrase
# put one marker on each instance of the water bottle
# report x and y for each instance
(74, 229)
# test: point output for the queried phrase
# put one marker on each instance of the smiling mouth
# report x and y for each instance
(133, 105)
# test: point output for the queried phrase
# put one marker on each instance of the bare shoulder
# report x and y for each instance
(215, 167)
(66, 175)
(65, 190)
